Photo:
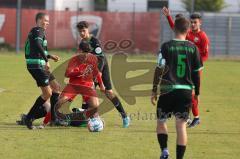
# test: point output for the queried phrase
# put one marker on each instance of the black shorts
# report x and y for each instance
(106, 76)
(177, 102)
(41, 77)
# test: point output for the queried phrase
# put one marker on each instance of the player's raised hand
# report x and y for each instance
(154, 98)
(166, 11)
(55, 58)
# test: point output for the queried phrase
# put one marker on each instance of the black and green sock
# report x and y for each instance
(162, 140)
(34, 110)
(180, 151)
(40, 113)
(53, 101)
(119, 107)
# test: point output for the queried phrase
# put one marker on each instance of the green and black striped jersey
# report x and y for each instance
(181, 60)
(97, 50)
(95, 46)
(36, 53)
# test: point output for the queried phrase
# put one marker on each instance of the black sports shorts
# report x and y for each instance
(42, 77)
(176, 102)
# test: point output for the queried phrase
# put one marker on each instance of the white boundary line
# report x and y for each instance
(1, 90)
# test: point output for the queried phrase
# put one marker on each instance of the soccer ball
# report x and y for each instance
(95, 124)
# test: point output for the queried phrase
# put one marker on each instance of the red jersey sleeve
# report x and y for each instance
(170, 22)
(72, 69)
(204, 46)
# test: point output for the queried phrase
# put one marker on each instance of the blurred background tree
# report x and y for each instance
(100, 5)
(204, 5)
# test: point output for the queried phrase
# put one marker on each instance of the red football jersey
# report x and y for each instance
(200, 39)
(83, 70)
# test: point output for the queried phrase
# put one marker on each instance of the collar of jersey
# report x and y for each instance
(90, 37)
(179, 40)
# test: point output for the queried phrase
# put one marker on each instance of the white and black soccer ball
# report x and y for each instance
(95, 124)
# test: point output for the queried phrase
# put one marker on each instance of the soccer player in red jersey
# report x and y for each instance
(200, 39)
(82, 70)
(195, 35)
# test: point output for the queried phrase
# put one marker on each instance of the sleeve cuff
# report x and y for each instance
(201, 68)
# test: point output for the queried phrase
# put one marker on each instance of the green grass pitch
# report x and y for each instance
(218, 136)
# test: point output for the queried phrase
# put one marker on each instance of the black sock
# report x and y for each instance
(40, 113)
(84, 106)
(162, 140)
(119, 107)
(180, 151)
(53, 101)
(33, 111)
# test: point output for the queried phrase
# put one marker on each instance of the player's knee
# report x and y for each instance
(94, 102)
(180, 124)
(161, 127)
(46, 95)
(55, 86)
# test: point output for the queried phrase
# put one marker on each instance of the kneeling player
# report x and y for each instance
(82, 71)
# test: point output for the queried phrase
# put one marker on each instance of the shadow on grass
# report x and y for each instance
(200, 132)
(14, 126)
(131, 129)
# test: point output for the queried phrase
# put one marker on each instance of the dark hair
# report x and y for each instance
(178, 15)
(84, 46)
(39, 15)
(181, 25)
(195, 16)
(82, 25)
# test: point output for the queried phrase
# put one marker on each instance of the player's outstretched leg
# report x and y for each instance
(42, 111)
(33, 113)
(118, 105)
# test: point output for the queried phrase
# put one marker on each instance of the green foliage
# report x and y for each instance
(101, 2)
(205, 5)
(100, 5)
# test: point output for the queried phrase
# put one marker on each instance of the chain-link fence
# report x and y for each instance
(223, 31)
